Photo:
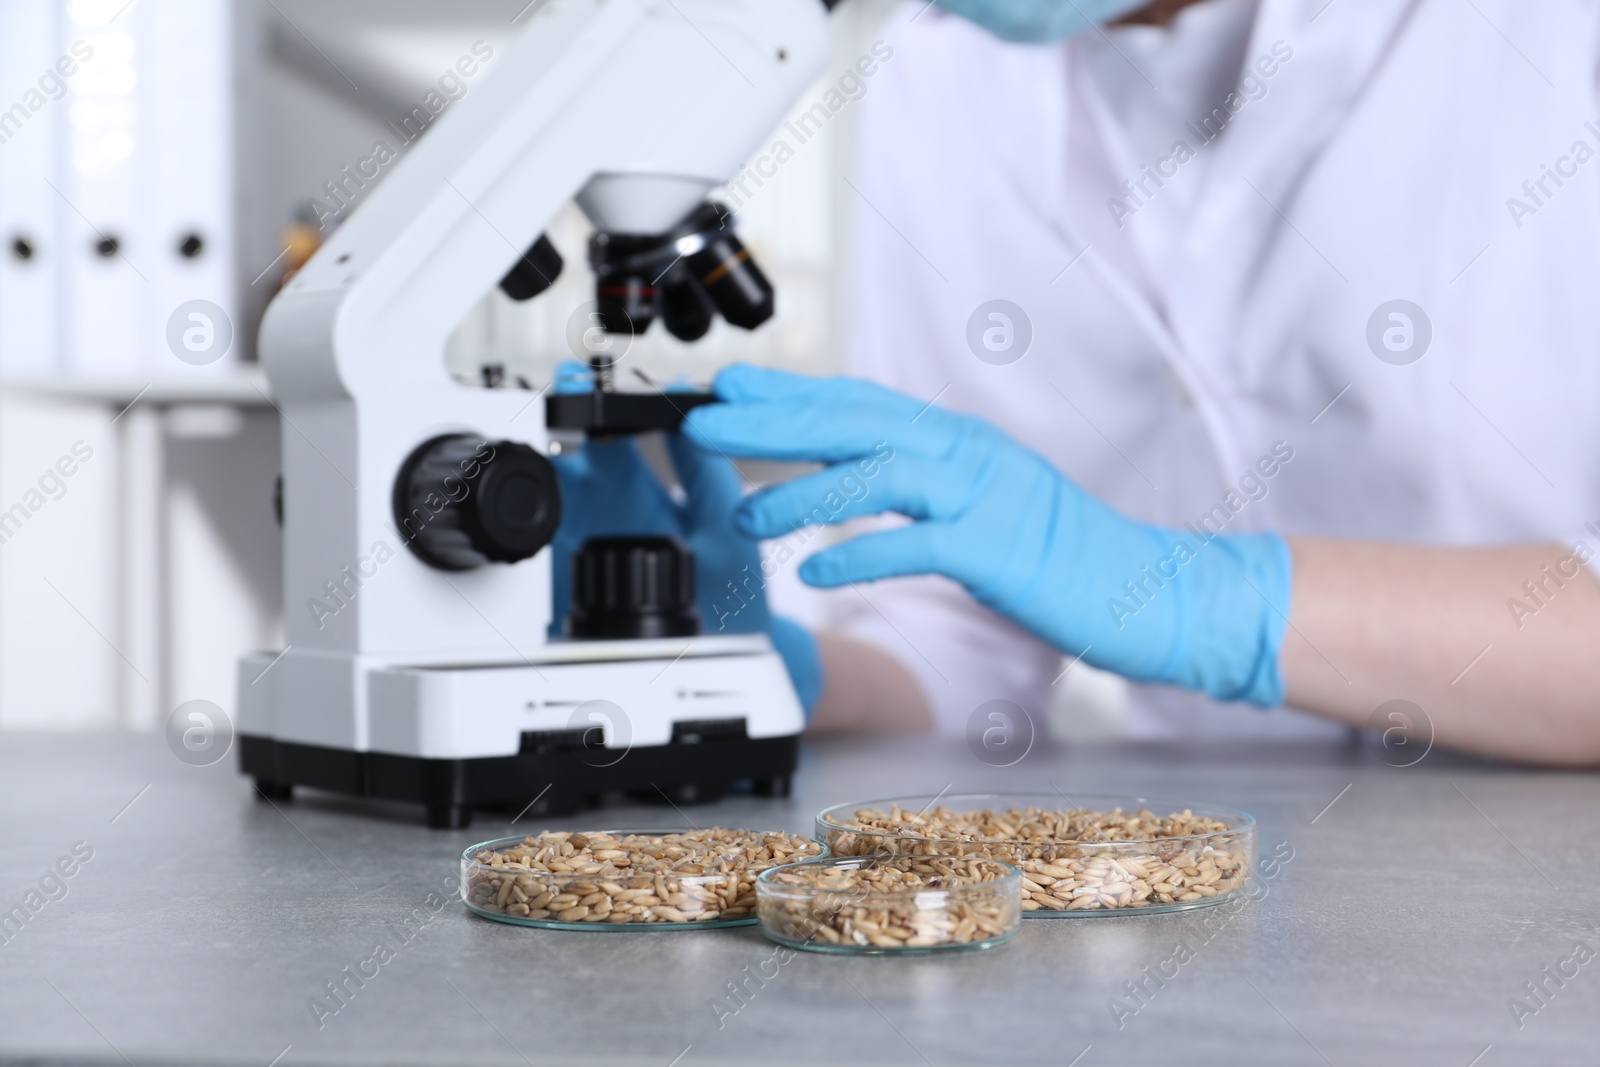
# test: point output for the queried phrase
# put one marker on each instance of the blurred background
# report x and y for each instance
(159, 152)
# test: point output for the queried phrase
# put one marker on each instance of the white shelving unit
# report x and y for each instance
(134, 585)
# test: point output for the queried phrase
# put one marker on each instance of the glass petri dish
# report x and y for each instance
(890, 905)
(693, 882)
(1143, 856)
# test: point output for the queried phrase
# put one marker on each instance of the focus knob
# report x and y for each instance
(628, 587)
(461, 501)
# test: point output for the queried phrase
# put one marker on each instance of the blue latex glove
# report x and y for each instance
(1149, 603)
(1039, 21)
(607, 488)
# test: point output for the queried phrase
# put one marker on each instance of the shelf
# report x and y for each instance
(245, 386)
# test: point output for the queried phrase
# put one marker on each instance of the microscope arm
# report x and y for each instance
(634, 108)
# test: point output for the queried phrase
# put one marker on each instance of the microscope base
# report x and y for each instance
(532, 783)
(550, 736)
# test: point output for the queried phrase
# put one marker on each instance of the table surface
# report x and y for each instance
(1412, 906)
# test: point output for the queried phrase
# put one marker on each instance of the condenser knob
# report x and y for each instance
(461, 501)
(629, 587)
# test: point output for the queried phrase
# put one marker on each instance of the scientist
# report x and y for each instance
(1243, 348)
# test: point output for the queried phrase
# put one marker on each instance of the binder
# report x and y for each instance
(187, 154)
(30, 250)
(106, 258)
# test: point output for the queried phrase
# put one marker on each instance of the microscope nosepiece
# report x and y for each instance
(686, 277)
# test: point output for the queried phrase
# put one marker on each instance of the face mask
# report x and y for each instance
(1039, 21)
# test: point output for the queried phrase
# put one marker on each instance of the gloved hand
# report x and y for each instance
(1148, 603)
(607, 488)
(1040, 21)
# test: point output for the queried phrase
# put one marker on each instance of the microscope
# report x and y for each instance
(421, 661)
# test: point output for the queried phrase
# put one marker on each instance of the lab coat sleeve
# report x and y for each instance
(961, 654)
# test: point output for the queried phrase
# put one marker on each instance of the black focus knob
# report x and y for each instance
(461, 501)
(628, 587)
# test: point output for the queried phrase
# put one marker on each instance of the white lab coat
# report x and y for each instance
(1169, 354)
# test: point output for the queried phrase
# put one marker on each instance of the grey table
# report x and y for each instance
(1416, 904)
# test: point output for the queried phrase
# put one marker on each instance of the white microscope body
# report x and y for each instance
(404, 680)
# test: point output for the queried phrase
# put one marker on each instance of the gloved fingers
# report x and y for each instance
(612, 459)
(817, 432)
(682, 383)
(752, 431)
(892, 554)
(711, 484)
(914, 486)
(742, 383)
(572, 377)
(577, 471)
(615, 472)
(571, 468)
(771, 414)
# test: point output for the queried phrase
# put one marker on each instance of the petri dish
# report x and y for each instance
(632, 879)
(890, 905)
(1078, 855)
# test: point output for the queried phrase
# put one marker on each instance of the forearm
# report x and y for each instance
(865, 690)
(1370, 623)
